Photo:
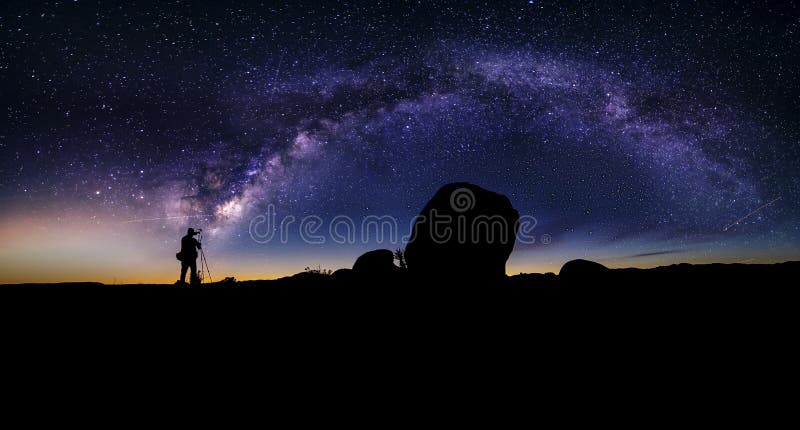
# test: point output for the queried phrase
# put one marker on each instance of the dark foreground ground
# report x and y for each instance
(677, 329)
(695, 305)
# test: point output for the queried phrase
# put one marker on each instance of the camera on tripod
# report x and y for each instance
(204, 270)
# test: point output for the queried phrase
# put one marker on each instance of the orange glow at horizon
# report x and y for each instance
(84, 249)
(112, 251)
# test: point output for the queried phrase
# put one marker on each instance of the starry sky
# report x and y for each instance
(636, 133)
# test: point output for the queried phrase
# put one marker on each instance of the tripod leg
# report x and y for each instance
(205, 263)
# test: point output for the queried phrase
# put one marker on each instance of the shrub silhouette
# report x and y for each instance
(318, 271)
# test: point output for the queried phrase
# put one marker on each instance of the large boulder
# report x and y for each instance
(376, 263)
(582, 271)
(344, 276)
(464, 233)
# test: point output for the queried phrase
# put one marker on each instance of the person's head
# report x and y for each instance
(190, 232)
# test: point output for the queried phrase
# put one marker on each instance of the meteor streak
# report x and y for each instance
(753, 212)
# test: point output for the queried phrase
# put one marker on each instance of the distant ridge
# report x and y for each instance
(575, 275)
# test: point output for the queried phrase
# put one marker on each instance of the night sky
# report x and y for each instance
(636, 133)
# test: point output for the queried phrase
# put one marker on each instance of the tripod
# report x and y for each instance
(203, 270)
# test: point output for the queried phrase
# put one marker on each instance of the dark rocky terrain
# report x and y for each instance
(577, 276)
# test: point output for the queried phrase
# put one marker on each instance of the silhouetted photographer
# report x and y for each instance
(188, 256)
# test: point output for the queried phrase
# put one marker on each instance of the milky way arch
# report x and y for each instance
(577, 142)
